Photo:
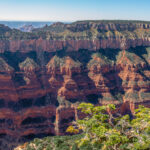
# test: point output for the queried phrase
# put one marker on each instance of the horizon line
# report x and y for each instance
(71, 21)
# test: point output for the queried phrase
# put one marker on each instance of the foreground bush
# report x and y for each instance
(52, 143)
(105, 131)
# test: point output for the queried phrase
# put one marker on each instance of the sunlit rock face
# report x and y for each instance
(40, 92)
(43, 80)
(90, 35)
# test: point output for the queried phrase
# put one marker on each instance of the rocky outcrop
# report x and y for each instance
(43, 81)
(40, 96)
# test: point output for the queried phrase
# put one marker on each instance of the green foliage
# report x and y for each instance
(104, 131)
(53, 143)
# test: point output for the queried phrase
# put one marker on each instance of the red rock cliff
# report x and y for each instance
(70, 45)
(42, 81)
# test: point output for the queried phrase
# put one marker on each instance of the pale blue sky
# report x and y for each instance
(71, 10)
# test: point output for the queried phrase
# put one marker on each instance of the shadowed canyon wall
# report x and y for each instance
(43, 80)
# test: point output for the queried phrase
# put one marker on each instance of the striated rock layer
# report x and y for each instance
(91, 35)
(40, 91)
(43, 81)
(70, 45)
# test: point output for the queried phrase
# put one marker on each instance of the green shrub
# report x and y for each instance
(104, 131)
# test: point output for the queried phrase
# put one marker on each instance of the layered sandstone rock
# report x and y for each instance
(91, 35)
(70, 45)
(43, 81)
(39, 100)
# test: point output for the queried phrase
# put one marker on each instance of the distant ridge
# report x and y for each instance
(19, 24)
(113, 21)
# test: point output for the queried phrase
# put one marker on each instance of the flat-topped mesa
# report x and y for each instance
(108, 25)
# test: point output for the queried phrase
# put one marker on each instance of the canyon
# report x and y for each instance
(46, 73)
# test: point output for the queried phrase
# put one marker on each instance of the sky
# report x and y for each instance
(73, 10)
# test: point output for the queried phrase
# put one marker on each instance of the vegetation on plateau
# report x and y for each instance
(82, 30)
(101, 129)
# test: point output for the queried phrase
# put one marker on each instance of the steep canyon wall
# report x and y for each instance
(43, 80)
